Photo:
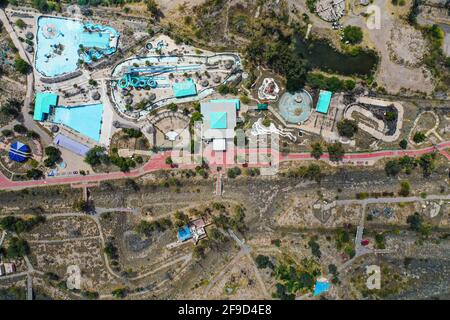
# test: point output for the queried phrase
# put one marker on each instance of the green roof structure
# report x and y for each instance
(262, 106)
(184, 89)
(42, 104)
(218, 120)
(236, 102)
(324, 101)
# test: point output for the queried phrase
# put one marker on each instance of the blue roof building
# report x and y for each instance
(184, 234)
(19, 152)
(71, 145)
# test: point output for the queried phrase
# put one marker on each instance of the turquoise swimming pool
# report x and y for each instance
(62, 42)
(86, 119)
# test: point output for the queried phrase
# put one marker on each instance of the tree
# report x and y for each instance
(317, 150)
(152, 7)
(110, 250)
(53, 155)
(7, 132)
(169, 161)
(353, 34)
(336, 151)
(234, 172)
(20, 23)
(427, 163)
(347, 128)
(119, 293)
(132, 133)
(282, 292)
(20, 129)
(403, 143)
(95, 156)
(34, 174)
(415, 221)
(17, 248)
(196, 116)
(12, 107)
(392, 168)
(21, 66)
(263, 262)
(332, 269)
(405, 188)
(315, 248)
(173, 107)
(199, 251)
(41, 5)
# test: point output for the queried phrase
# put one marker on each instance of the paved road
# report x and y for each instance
(157, 162)
(28, 119)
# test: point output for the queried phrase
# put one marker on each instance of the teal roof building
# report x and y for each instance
(236, 102)
(43, 103)
(218, 120)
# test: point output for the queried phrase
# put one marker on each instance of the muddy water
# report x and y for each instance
(323, 56)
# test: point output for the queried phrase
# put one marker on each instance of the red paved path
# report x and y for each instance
(157, 162)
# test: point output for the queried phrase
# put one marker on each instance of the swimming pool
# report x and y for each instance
(296, 107)
(86, 119)
(62, 42)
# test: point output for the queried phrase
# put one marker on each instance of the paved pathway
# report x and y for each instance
(157, 162)
(28, 119)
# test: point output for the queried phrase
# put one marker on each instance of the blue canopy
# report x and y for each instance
(19, 152)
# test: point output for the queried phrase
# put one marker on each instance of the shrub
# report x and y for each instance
(317, 150)
(336, 151)
(347, 128)
(21, 66)
(20, 129)
(405, 188)
(419, 137)
(403, 144)
(233, 172)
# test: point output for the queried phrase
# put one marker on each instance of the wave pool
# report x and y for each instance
(86, 119)
(61, 43)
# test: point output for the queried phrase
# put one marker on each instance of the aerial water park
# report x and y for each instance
(141, 84)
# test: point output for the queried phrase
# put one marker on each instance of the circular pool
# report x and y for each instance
(295, 107)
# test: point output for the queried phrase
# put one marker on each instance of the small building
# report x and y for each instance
(2, 270)
(185, 88)
(262, 106)
(19, 152)
(43, 103)
(197, 228)
(194, 230)
(71, 145)
(10, 268)
(324, 101)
